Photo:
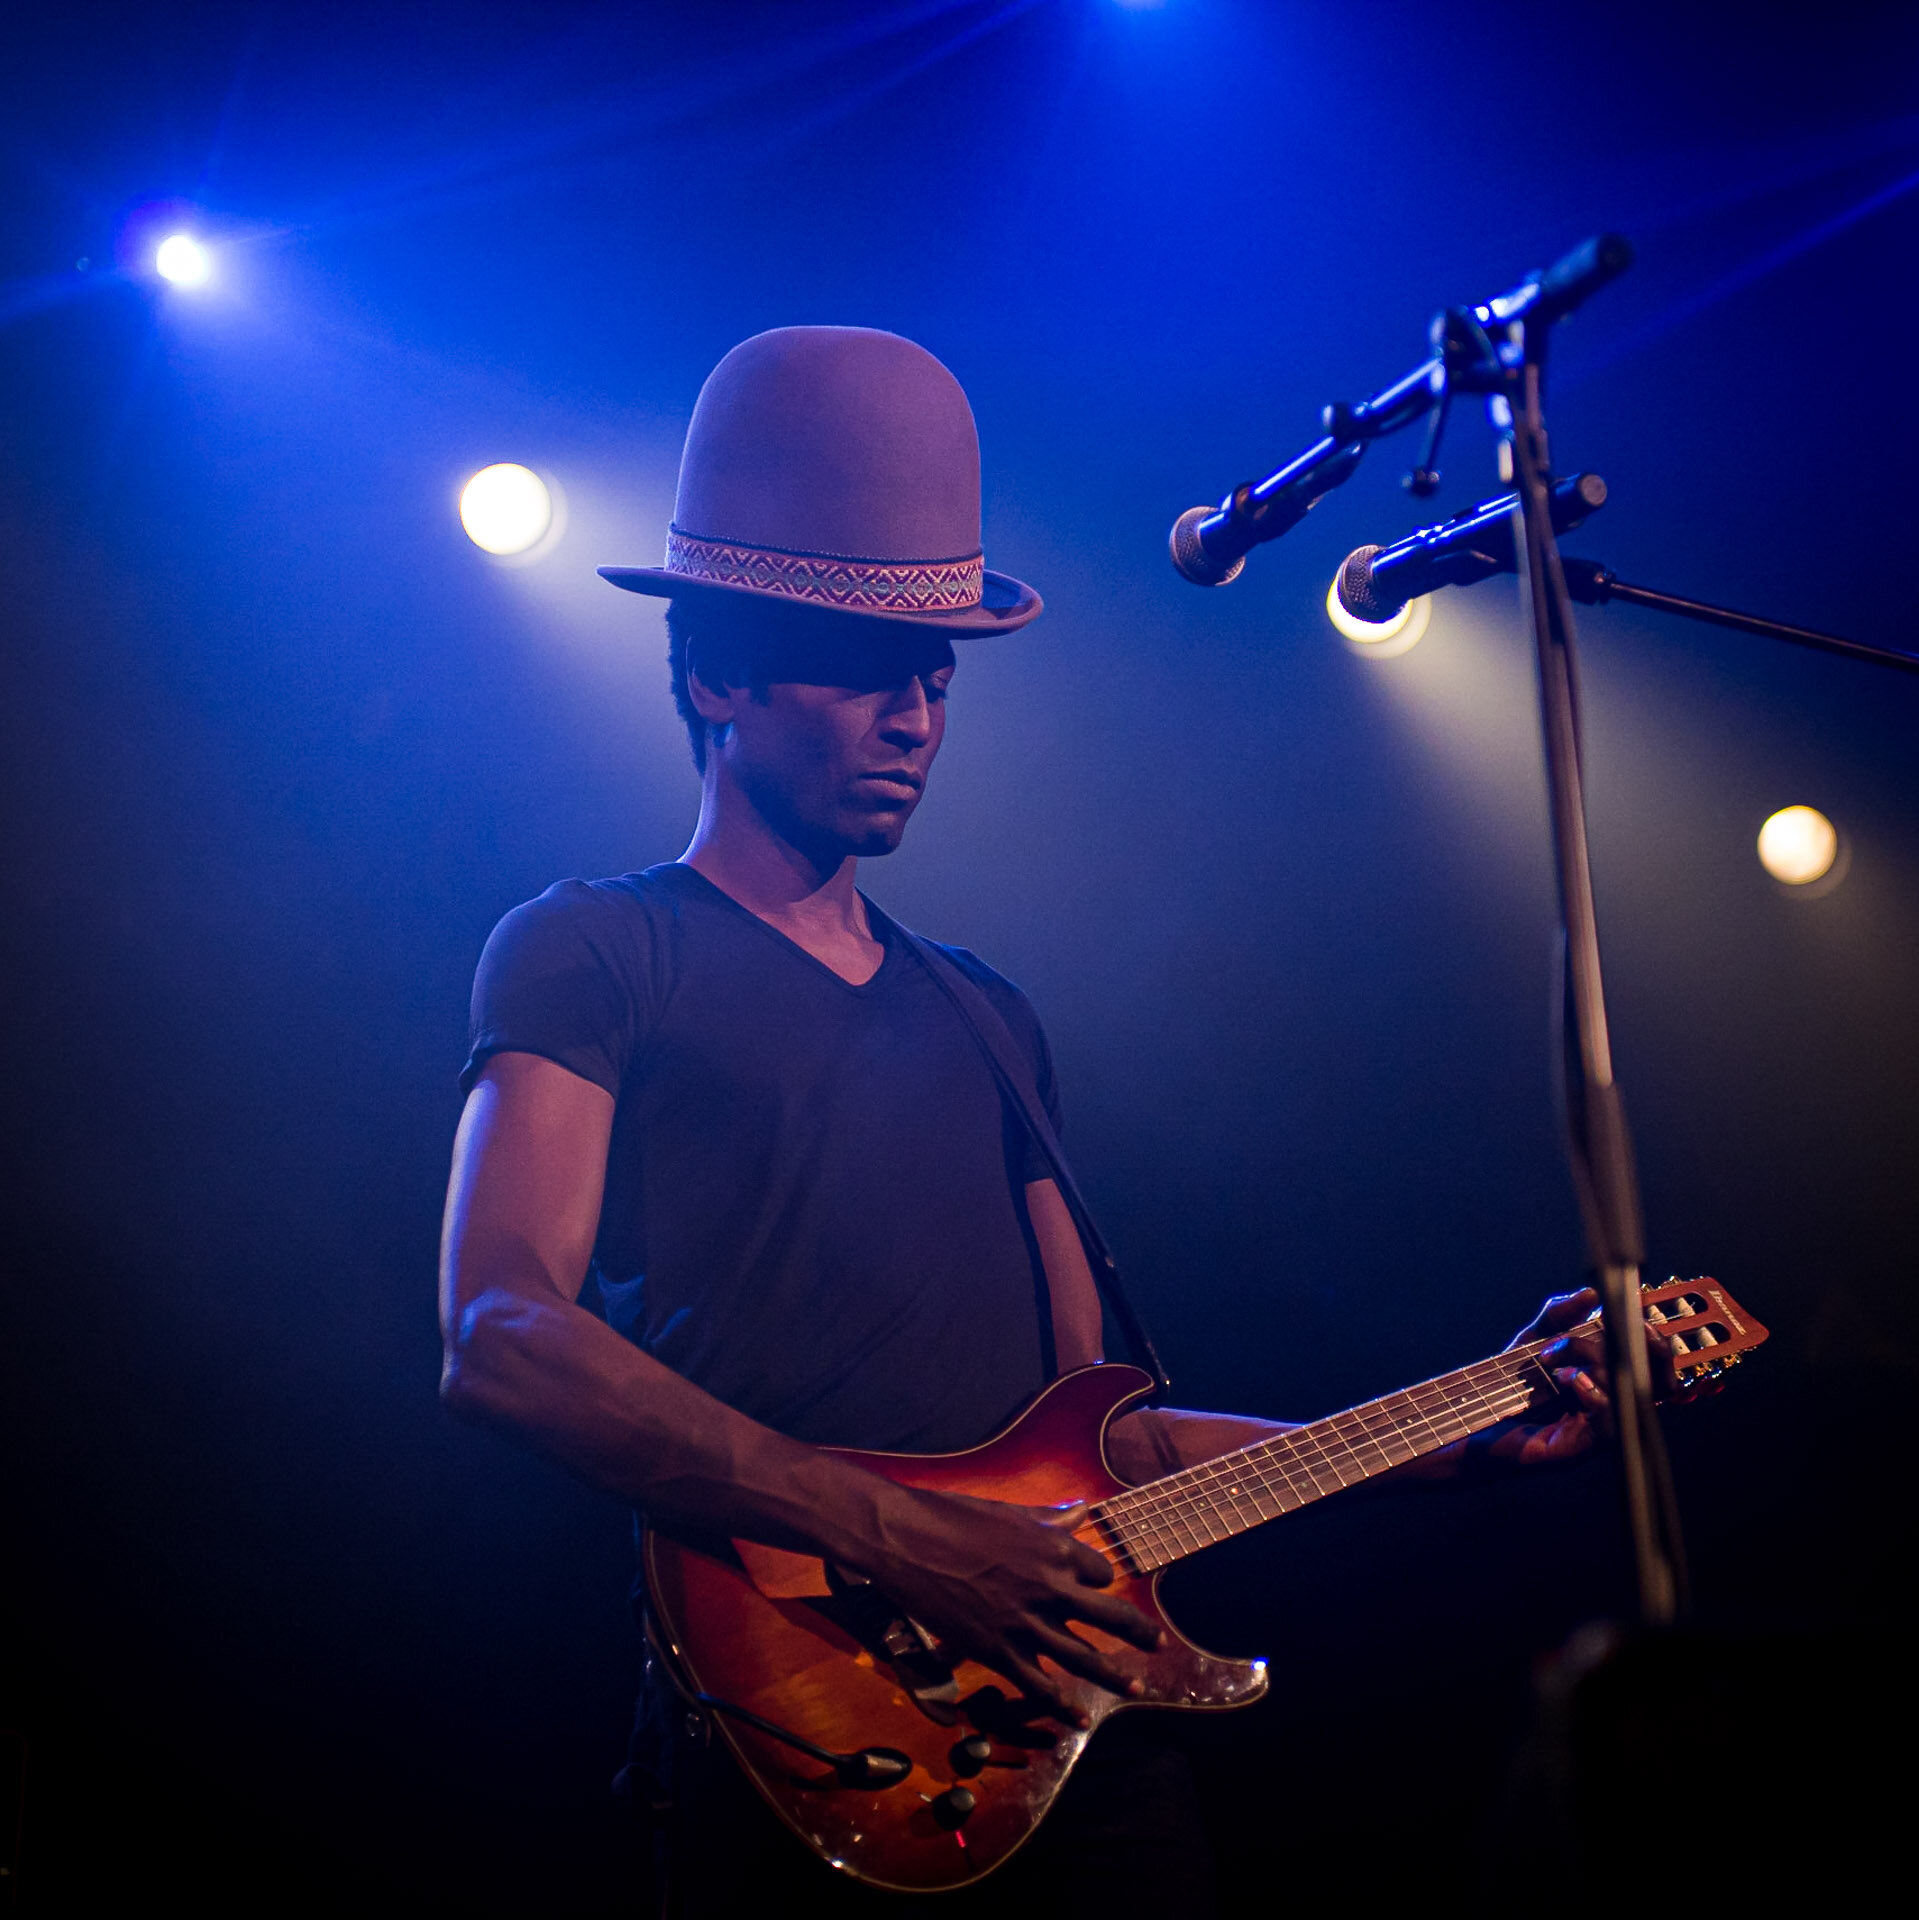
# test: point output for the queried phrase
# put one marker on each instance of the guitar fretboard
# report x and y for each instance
(1163, 1521)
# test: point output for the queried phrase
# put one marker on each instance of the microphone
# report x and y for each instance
(1375, 582)
(1210, 544)
(1550, 293)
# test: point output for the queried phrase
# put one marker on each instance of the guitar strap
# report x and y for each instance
(1014, 1075)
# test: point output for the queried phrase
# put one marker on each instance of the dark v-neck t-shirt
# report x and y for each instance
(814, 1200)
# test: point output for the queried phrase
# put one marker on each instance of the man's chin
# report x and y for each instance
(869, 833)
(861, 838)
(881, 837)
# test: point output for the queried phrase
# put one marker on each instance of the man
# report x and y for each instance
(731, 1090)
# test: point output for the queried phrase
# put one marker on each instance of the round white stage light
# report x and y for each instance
(1798, 845)
(1382, 639)
(506, 508)
(182, 260)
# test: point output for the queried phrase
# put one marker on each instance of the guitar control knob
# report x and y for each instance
(971, 1754)
(953, 1808)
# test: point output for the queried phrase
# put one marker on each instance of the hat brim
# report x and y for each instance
(1005, 605)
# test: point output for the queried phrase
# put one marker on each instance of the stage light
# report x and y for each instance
(1382, 639)
(182, 260)
(506, 508)
(1798, 845)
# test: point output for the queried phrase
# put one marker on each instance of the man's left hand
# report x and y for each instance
(1577, 1364)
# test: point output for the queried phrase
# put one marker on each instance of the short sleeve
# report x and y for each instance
(560, 977)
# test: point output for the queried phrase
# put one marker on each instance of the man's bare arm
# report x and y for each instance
(522, 1210)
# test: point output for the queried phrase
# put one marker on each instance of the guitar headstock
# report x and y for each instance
(1713, 1330)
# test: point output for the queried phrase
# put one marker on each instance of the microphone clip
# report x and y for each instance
(1422, 482)
(1467, 361)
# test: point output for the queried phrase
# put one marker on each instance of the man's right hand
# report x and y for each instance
(1001, 1584)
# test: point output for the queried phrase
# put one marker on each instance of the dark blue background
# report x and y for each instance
(282, 745)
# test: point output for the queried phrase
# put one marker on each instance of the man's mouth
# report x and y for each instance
(901, 778)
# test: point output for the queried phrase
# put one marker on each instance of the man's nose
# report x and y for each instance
(908, 719)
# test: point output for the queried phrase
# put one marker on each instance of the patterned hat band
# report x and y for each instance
(867, 586)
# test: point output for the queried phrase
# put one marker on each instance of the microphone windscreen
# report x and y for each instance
(1357, 592)
(1190, 555)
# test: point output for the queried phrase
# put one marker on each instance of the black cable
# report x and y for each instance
(865, 1767)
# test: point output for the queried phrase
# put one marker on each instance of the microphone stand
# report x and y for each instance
(1604, 1173)
(1593, 584)
(1498, 349)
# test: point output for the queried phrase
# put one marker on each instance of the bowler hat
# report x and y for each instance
(836, 467)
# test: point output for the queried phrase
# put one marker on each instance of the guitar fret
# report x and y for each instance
(1198, 1506)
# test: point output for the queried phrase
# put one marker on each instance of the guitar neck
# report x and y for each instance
(1165, 1520)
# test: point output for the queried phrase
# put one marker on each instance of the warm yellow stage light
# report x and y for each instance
(1798, 845)
(506, 508)
(1382, 639)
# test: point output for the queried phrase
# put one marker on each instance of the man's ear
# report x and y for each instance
(714, 705)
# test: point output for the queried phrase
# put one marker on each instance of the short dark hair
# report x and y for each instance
(723, 641)
(680, 622)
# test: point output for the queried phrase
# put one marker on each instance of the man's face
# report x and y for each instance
(835, 749)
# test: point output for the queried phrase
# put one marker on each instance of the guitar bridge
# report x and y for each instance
(911, 1653)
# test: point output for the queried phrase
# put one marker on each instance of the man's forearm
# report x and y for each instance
(521, 1356)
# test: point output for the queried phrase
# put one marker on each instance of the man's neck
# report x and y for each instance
(816, 905)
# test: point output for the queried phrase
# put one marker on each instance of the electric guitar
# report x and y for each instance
(914, 1772)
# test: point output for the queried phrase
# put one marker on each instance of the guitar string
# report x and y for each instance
(1217, 1499)
(1300, 1456)
(1153, 1535)
(1168, 1517)
(1214, 1507)
(1298, 1452)
(1200, 1505)
(1175, 1513)
(1371, 1426)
